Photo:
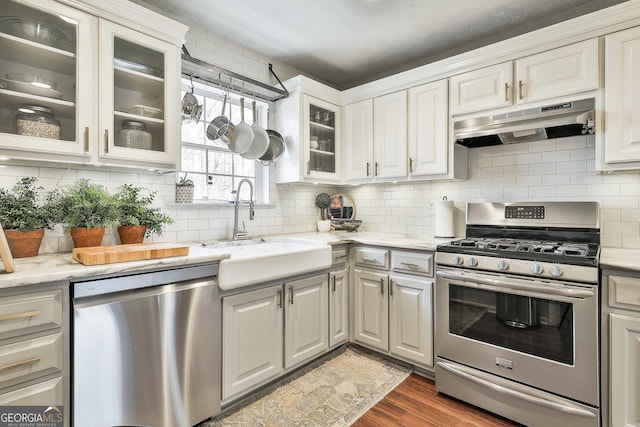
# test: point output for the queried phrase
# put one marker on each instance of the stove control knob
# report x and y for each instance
(457, 260)
(556, 271)
(503, 265)
(472, 262)
(536, 268)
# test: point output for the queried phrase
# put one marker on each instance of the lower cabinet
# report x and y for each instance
(269, 330)
(625, 370)
(392, 312)
(338, 307)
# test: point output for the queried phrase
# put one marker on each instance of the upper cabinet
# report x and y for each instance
(562, 71)
(358, 137)
(310, 124)
(621, 149)
(85, 90)
(390, 135)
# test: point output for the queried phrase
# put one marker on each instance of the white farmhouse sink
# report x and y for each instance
(265, 261)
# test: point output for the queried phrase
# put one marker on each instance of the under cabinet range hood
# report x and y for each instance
(553, 121)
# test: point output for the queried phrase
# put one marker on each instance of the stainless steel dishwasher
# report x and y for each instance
(146, 349)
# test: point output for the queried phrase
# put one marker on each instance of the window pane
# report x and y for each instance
(193, 132)
(213, 108)
(220, 188)
(220, 162)
(193, 159)
(245, 167)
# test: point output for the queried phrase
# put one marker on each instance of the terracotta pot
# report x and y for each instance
(84, 237)
(24, 244)
(131, 233)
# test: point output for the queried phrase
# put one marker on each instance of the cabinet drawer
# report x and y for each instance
(23, 314)
(624, 292)
(412, 262)
(339, 256)
(30, 359)
(372, 257)
(46, 393)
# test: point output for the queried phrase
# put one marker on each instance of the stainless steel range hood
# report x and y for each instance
(553, 121)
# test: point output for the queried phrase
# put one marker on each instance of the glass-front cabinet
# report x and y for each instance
(77, 88)
(320, 138)
(44, 79)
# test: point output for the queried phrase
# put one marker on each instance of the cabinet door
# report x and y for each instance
(306, 319)
(251, 339)
(625, 370)
(139, 84)
(320, 139)
(65, 72)
(428, 129)
(358, 140)
(563, 71)
(622, 97)
(411, 319)
(338, 307)
(371, 309)
(482, 89)
(390, 135)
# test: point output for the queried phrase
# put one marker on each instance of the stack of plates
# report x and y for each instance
(28, 83)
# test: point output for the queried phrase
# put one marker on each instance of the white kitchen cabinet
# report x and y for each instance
(371, 309)
(622, 100)
(411, 318)
(93, 95)
(310, 126)
(428, 129)
(306, 319)
(625, 370)
(390, 135)
(563, 71)
(252, 339)
(358, 140)
(338, 307)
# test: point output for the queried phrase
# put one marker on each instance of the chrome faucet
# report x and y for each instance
(242, 234)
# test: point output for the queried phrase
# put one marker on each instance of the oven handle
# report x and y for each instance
(516, 391)
(477, 281)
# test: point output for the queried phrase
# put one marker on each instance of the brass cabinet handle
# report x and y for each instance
(86, 139)
(368, 168)
(19, 364)
(410, 164)
(506, 91)
(106, 141)
(23, 315)
(291, 295)
(409, 264)
(390, 287)
(279, 299)
(520, 92)
(376, 169)
(382, 286)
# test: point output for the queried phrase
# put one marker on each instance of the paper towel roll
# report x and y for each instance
(444, 219)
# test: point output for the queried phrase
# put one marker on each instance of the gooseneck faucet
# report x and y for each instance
(242, 234)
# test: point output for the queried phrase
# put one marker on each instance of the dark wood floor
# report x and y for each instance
(416, 402)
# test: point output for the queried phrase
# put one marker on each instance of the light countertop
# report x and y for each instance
(61, 266)
(628, 259)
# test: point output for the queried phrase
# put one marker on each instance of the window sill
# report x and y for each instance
(207, 205)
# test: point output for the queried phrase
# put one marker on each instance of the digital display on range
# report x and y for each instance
(524, 212)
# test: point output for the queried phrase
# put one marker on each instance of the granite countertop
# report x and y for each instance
(61, 266)
(628, 259)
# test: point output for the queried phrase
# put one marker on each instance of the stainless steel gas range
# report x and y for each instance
(517, 302)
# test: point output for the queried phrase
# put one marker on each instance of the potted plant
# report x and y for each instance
(136, 218)
(86, 208)
(24, 217)
(323, 201)
(184, 190)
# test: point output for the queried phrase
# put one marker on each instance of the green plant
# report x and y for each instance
(323, 201)
(133, 205)
(184, 181)
(21, 207)
(83, 204)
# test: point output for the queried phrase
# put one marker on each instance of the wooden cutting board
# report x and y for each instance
(96, 255)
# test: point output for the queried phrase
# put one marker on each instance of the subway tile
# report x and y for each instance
(528, 159)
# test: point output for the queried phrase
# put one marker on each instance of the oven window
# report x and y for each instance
(533, 326)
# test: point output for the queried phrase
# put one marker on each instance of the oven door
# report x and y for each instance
(541, 333)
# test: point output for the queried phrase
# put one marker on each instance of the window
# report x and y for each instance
(214, 169)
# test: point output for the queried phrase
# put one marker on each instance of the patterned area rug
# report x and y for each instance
(335, 393)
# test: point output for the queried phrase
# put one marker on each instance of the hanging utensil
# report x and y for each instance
(190, 108)
(260, 140)
(221, 127)
(243, 136)
(276, 148)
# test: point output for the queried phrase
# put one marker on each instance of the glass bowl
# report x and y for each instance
(33, 30)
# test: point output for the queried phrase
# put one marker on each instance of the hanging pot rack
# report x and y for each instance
(210, 74)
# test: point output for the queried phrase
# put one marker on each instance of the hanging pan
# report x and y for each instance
(189, 107)
(221, 127)
(275, 149)
(243, 136)
(260, 142)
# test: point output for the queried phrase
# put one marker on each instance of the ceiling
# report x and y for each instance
(345, 43)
